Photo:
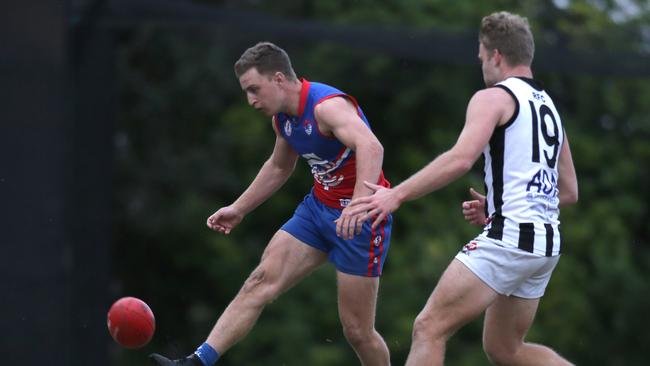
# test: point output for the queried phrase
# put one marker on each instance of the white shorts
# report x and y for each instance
(508, 270)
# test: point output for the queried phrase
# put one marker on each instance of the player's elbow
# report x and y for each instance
(463, 164)
(281, 168)
(372, 148)
(573, 197)
(377, 148)
(569, 197)
(466, 165)
(459, 161)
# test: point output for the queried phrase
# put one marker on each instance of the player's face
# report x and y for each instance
(488, 65)
(262, 91)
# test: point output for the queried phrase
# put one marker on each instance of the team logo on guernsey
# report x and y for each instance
(324, 171)
(377, 240)
(287, 128)
(308, 127)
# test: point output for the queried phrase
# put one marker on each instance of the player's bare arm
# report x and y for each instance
(339, 117)
(567, 180)
(272, 175)
(486, 110)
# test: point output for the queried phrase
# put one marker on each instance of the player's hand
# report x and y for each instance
(347, 225)
(225, 219)
(379, 205)
(474, 210)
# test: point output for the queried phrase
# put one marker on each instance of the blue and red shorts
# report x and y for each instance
(364, 255)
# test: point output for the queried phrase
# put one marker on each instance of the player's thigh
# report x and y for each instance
(459, 297)
(357, 299)
(286, 260)
(507, 321)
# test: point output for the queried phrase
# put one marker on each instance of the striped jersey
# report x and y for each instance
(333, 165)
(521, 172)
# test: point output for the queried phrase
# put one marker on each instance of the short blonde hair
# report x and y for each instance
(511, 35)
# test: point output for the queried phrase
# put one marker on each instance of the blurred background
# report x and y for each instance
(123, 128)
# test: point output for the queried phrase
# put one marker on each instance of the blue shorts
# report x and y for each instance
(364, 255)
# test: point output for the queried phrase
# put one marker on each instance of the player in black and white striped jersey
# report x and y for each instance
(529, 175)
(521, 171)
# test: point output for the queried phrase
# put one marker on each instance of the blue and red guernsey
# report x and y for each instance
(333, 164)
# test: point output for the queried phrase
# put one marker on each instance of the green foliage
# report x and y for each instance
(187, 144)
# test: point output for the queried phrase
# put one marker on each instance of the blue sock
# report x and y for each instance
(207, 354)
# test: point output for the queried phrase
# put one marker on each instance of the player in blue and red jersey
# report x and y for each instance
(327, 128)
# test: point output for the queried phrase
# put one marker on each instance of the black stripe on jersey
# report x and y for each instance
(497, 150)
(497, 147)
(526, 236)
(485, 189)
(516, 111)
(496, 228)
(561, 243)
(549, 239)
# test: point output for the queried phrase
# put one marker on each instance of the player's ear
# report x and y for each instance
(279, 77)
(498, 56)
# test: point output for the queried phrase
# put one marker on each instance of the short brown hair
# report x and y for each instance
(511, 35)
(267, 58)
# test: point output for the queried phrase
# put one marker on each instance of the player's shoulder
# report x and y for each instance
(320, 86)
(492, 95)
(495, 102)
(333, 104)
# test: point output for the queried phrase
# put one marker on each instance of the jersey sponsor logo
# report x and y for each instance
(344, 202)
(543, 184)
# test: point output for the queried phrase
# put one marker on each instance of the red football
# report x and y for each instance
(131, 322)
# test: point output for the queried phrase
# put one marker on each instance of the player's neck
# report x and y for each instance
(521, 71)
(293, 97)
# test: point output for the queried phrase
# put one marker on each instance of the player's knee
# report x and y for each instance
(498, 354)
(427, 328)
(259, 287)
(356, 334)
